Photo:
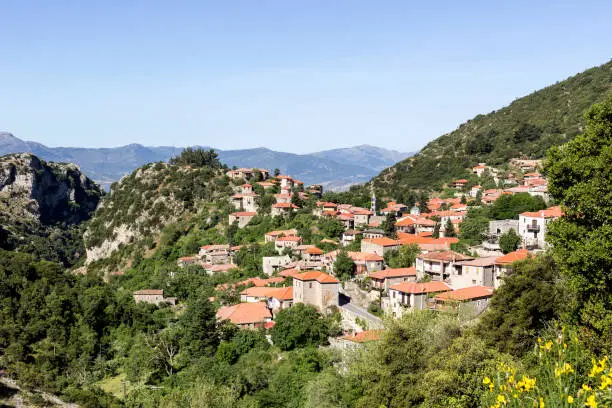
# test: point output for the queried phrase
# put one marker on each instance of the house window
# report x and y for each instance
(394, 295)
(310, 285)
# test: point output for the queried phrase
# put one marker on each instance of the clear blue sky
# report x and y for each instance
(291, 75)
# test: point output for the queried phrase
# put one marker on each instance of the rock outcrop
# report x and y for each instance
(35, 191)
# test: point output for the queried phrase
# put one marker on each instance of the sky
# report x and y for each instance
(296, 76)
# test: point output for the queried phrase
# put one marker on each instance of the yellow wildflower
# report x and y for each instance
(486, 381)
(542, 405)
(548, 345)
(566, 369)
(590, 402)
(606, 381)
(501, 399)
(570, 399)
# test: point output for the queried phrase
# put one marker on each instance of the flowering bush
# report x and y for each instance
(562, 377)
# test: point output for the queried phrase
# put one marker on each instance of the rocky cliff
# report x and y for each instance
(40, 199)
(141, 205)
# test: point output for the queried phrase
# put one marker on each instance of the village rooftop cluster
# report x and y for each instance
(304, 273)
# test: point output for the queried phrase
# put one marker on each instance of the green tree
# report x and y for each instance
(299, 326)
(474, 226)
(449, 229)
(388, 225)
(510, 206)
(580, 178)
(331, 227)
(525, 304)
(200, 327)
(436, 231)
(404, 257)
(509, 241)
(344, 266)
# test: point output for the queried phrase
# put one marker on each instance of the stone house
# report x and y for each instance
(350, 236)
(215, 254)
(316, 288)
(379, 246)
(477, 297)
(187, 260)
(372, 233)
(153, 296)
(280, 209)
(290, 242)
(475, 272)
(503, 264)
(273, 264)
(365, 262)
(246, 315)
(242, 218)
(273, 235)
(386, 278)
(245, 201)
(440, 265)
(411, 295)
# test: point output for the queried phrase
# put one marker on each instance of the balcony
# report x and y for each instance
(533, 228)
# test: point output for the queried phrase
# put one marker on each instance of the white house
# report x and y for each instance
(532, 226)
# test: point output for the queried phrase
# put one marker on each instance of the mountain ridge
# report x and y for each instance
(108, 165)
(526, 127)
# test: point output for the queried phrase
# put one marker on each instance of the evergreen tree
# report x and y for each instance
(449, 229)
(509, 241)
(389, 225)
(344, 267)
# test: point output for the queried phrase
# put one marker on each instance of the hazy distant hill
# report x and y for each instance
(336, 169)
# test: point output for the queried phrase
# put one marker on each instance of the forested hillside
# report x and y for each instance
(525, 128)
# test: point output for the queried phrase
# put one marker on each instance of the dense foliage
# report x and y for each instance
(581, 180)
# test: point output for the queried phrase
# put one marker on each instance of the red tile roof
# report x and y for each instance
(290, 272)
(393, 273)
(512, 257)
(446, 256)
(244, 214)
(282, 232)
(319, 276)
(291, 238)
(245, 313)
(427, 287)
(285, 205)
(384, 241)
(314, 251)
(464, 294)
(285, 293)
(552, 212)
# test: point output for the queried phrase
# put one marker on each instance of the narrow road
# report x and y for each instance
(374, 321)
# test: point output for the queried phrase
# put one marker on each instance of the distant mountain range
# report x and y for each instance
(336, 169)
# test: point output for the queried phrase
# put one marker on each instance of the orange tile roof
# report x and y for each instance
(291, 238)
(364, 336)
(384, 241)
(244, 214)
(485, 261)
(328, 241)
(319, 276)
(285, 293)
(552, 212)
(281, 232)
(463, 294)
(393, 273)
(314, 251)
(512, 257)
(446, 256)
(285, 205)
(361, 211)
(427, 287)
(290, 272)
(245, 313)
(460, 181)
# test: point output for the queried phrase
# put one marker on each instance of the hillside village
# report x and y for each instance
(442, 273)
